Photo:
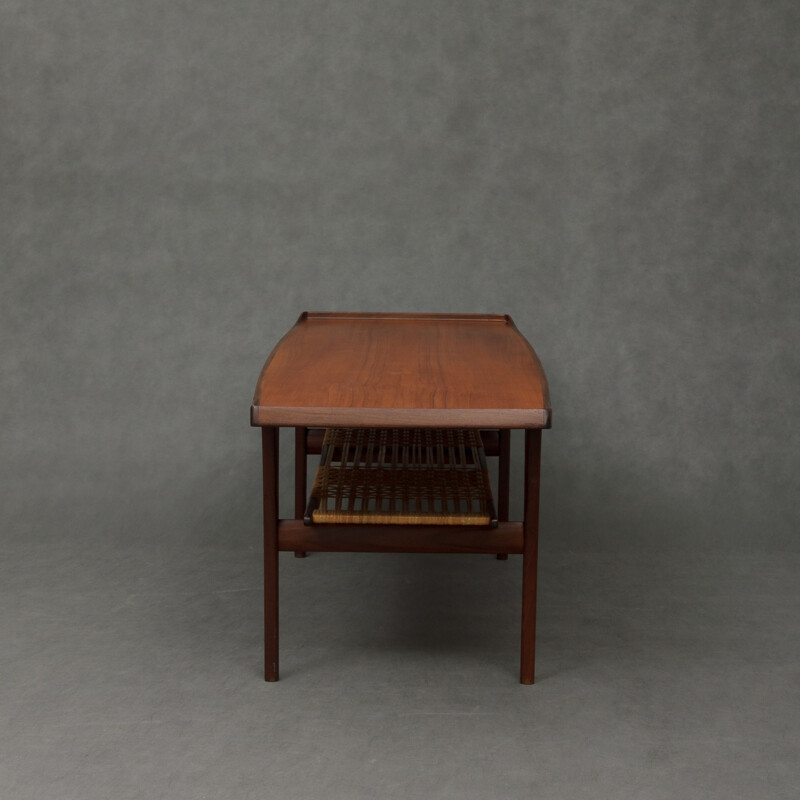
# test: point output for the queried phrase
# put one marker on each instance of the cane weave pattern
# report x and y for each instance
(402, 476)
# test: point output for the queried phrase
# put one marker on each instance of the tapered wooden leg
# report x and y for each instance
(269, 461)
(533, 450)
(503, 474)
(300, 455)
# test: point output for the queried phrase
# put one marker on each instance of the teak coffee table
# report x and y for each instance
(420, 371)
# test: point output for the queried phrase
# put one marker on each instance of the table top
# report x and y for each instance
(402, 370)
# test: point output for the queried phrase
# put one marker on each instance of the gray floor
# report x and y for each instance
(135, 672)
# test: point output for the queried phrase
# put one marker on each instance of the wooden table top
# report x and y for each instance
(402, 370)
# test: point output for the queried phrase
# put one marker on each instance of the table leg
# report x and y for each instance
(269, 461)
(503, 474)
(533, 450)
(300, 467)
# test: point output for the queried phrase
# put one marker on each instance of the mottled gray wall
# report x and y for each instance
(180, 180)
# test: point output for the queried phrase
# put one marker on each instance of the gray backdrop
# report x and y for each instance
(180, 180)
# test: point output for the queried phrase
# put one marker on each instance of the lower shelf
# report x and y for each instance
(402, 476)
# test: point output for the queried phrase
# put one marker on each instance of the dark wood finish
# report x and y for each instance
(490, 439)
(530, 557)
(314, 440)
(269, 461)
(503, 475)
(403, 370)
(300, 476)
(398, 417)
(293, 534)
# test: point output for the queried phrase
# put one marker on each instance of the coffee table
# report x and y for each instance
(401, 371)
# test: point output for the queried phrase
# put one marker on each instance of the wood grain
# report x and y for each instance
(402, 370)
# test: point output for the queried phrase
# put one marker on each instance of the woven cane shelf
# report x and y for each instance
(402, 476)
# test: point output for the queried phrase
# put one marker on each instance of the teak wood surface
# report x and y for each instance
(402, 370)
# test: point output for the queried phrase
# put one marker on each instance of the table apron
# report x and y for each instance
(294, 535)
(356, 417)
